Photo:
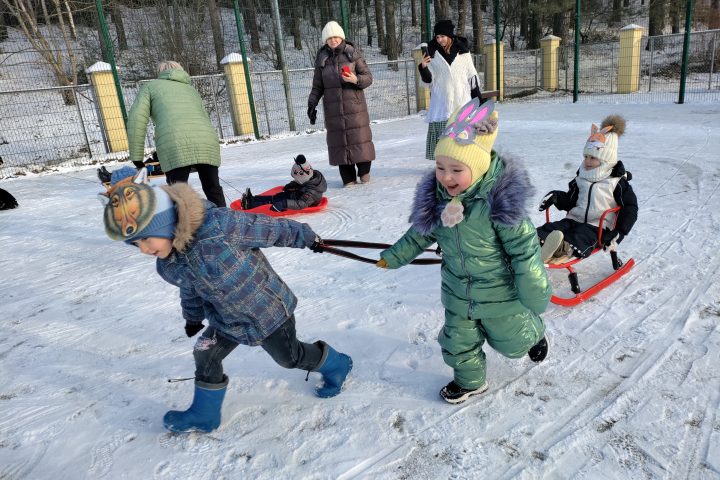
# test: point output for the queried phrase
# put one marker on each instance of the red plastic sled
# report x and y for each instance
(265, 209)
(620, 268)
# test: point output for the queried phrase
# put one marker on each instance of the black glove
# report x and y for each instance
(612, 239)
(138, 164)
(191, 329)
(548, 200)
(317, 246)
(312, 114)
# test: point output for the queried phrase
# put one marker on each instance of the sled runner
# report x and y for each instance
(620, 268)
(266, 210)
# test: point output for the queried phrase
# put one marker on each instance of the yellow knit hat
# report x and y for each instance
(470, 135)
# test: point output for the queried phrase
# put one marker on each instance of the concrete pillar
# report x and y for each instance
(422, 92)
(629, 64)
(550, 46)
(238, 94)
(490, 67)
(108, 107)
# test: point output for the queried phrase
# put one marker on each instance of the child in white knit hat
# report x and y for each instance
(601, 183)
(494, 286)
(306, 190)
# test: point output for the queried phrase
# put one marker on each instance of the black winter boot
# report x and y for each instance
(539, 351)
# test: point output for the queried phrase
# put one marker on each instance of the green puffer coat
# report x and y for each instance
(183, 132)
(491, 260)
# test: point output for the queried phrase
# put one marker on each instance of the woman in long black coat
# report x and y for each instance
(341, 75)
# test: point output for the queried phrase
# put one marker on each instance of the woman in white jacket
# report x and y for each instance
(448, 69)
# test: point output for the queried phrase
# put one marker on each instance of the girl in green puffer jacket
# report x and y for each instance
(494, 284)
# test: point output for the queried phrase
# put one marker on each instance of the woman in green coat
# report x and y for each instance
(494, 284)
(184, 136)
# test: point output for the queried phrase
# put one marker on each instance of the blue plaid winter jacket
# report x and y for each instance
(223, 275)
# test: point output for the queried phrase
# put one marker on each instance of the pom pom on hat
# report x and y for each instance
(138, 210)
(603, 142)
(332, 29)
(444, 27)
(301, 170)
(470, 136)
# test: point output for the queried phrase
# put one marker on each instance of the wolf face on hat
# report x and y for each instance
(136, 210)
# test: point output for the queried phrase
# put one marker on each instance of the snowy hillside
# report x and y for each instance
(630, 388)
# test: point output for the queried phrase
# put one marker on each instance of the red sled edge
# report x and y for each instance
(265, 209)
(602, 284)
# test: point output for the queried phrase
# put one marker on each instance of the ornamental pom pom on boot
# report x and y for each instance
(334, 368)
(204, 413)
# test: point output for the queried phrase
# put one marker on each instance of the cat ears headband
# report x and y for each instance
(597, 136)
(472, 120)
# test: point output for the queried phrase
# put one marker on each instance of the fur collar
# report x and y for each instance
(509, 193)
(191, 213)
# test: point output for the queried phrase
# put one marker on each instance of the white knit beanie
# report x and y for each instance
(603, 141)
(332, 29)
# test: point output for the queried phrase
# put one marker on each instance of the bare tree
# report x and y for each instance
(656, 19)
(251, 24)
(218, 39)
(391, 39)
(477, 27)
(368, 21)
(462, 18)
(56, 50)
(379, 24)
(442, 9)
(116, 17)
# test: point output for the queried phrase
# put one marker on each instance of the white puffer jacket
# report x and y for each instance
(450, 87)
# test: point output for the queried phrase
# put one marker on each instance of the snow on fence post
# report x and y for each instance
(629, 63)
(108, 108)
(238, 93)
(491, 63)
(422, 93)
(550, 46)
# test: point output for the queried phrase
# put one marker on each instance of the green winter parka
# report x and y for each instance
(183, 132)
(491, 265)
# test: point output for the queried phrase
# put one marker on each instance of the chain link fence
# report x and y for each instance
(43, 125)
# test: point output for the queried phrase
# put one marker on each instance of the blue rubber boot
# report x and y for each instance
(334, 368)
(204, 413)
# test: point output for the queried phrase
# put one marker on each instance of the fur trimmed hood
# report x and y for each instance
(506, 188)
(190, 211)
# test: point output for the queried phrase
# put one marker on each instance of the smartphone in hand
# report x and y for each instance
(424, 50)
(345, 70)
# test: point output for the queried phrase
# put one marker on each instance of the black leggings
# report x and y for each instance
(347, 172)
(209, 179)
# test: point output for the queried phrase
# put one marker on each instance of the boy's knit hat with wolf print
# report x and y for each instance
(137, 210)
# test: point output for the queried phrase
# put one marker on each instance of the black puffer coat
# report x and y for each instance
(349, 138)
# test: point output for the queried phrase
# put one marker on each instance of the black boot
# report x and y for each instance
(104, 175)
(454, 393)
(539, 351)
(246, 200)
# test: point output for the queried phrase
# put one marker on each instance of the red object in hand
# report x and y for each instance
(345, 70)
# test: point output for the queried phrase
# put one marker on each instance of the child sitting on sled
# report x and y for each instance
(306, 190)
(213, 255)
(601, 183)
(494, 286)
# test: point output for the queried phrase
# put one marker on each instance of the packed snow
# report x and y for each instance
(630, 388)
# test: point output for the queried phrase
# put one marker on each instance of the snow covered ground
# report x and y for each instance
(630, 388)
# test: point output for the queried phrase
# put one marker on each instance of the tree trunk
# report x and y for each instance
(379, 25)
(295, 27)
(676, 14)
(524, 8)
(116, 17)
(217, 33)
(3, 22)
(656, 19)
(413, 13)
(535, 31)
(615, 13)
(442, 9)
(368, 21)
(462, 18)
(178, 40)
(559, 25)
(252, 25)
(391, 40)
(477, 27)
(325, 12)
(424, 34)
(714, 22)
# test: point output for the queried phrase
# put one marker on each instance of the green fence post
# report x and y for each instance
(111, 54)
(241, 38)
(576, 67)
(344, 16)
(686, 50)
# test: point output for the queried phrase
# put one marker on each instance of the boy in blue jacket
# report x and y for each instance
(213, 255)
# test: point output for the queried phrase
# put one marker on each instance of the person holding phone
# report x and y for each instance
(447, 68)
(341, 74)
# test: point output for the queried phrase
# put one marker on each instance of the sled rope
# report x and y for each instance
(329, 245)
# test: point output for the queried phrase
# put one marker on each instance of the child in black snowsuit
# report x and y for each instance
(306, 190)
(601, 183)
